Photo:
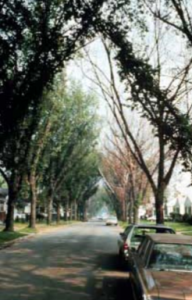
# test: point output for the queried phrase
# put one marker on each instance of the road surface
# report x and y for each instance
(75, 263)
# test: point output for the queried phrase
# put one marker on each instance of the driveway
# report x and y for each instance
(75, 263)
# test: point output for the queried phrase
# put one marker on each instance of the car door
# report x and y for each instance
(138, 260)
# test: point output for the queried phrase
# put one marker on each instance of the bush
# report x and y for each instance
(176, 217)
(190, 220)
(186, 217)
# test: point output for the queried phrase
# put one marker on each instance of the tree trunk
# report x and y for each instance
(75, 210)
(32, 221)
(124, 213)
(58, 213)
(66, 210)
(70, 212)
(159, 194)
(13, 192)
(85, 213)
(159, 199)
(130, 212)
(49, 208)
(136, 214)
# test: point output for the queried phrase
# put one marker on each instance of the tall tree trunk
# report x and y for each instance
(32, 180)
(136, 214)
(50, 207)
(124, 213)
(130, 211)
(70, 212)
(66, 210)
(159, 200)
(85, 213)
(159, 194)
(75, 210)
(13, 192)
(58, 213)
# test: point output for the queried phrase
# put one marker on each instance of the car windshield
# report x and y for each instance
(113, 218)
(171, 257)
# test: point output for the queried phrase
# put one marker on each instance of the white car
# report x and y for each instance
(111, 221)
(152, 218)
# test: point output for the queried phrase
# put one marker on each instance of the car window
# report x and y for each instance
(140, 232)
(138, 236)
(164, 230)
(141, 248)
(145, 230)
(146, 252)
(127, 230)
(171, 256)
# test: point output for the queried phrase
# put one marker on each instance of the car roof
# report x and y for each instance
(170, 238)
(151, 226)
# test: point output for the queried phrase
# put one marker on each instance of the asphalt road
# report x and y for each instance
(75, 263)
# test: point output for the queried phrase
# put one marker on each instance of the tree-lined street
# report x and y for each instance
(95, 123)
(76, 263)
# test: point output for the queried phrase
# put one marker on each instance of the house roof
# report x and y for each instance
(180, 201)
(188, 201)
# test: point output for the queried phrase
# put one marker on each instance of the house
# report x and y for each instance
(22, 207)
(175, 205)
(188, 206)
(179, 207)
(141, 211)
(169, 207)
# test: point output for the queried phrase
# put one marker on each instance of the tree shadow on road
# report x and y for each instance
(63, 269)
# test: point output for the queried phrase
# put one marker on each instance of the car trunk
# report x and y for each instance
(173, 284)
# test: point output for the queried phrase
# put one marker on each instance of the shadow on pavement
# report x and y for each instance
(77, 269)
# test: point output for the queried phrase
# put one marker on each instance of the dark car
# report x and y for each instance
(133, 235)
(161, 268)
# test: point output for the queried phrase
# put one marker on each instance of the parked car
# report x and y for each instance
(151, 218)
(162, 268)
(133, 235)
(112, 221)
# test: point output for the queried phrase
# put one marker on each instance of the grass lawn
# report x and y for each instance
(10, 236)
(179, 227)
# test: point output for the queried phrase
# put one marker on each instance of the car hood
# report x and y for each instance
(171, 285)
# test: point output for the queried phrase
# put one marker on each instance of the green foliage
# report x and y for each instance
(10, 236)
(100, 200)
(2, 182)
(69, 160)
(36, 38)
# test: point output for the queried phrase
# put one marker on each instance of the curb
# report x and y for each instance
(10, 243)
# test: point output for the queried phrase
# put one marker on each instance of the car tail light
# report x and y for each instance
(125, 246)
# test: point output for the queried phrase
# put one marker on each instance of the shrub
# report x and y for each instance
(176, 217)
